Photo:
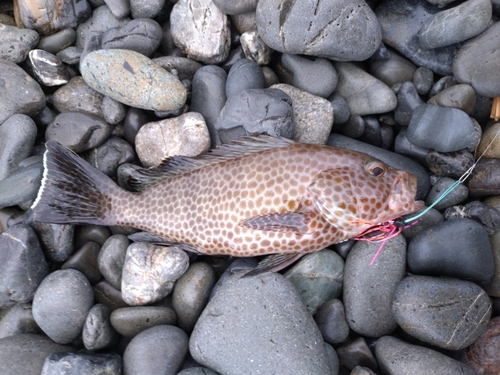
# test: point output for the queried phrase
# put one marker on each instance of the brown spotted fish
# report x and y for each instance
(259, 196)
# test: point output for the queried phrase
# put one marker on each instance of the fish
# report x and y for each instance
(258, 196)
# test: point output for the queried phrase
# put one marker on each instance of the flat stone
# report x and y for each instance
(15, 43)
(395, 69)
(459, 96)
(77, 96)
(133, 79)
(130, 321)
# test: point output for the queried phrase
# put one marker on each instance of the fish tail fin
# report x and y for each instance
(72, 191)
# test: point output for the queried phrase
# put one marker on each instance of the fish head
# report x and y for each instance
(362, 193)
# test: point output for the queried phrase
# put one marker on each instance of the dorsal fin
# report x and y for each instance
(176, 165)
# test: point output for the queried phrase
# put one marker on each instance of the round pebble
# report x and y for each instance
(130, 321)
(395, 69)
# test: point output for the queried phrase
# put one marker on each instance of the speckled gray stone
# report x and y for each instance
(77, 96)
(15, 43)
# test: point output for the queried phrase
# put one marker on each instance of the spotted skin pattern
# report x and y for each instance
(296, 198)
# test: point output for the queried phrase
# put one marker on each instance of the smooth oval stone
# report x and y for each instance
(15, 43)
(477, 63)
(130, 321)
(485, 178)
(86, 233)
(365, 94)
(19, 92)
(254, 47)
(149, 272)
(98, 333)
(113, 111)
(85, 261)
(191, 294)
(331, 321)
(243, 310)
(441, 129)
(408, 101)
(423, 79)
(119, 8)
(456, 24)
(25, 353)
(185, 135)
(244, 74)
(18, 319)
(133, 79)
(316, 76)
(17, 138)
(112, 257)
(340, 109)
(82, 363)
(141, 35)
(395, 69)
(23, 265)
(61, 304)
(481, 355)
(201, 31)
(453, 164)
(56, 240)
(70, 55)
(318, 277)
(22, 186)
(78, 131)
(157, 350)
(356, 353)
(299, 28)
(398, 357)
(354, 127)
(459, 96)
(457, 248)
(447, 313)
(236, 7)
(47, 68)
(487, 146)
(77, 96)
(369, 289)
(456, 196)
(312, 115)
(57, 42)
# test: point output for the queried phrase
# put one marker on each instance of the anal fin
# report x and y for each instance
(275, 263)
(159, 240)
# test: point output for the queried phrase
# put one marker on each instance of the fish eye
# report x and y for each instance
(375, 169)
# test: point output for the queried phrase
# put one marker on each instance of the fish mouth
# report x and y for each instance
(403, 192)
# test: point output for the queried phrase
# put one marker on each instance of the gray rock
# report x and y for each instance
(20, 93)
(82, 363)
(459, 96)
(201, 31)
(316, 76)
(113, 111)
(130, 321)
(369, 288)
(15, 43)
(447, 313)
(70, 55)
(157, 350)
(442, 84)
(365, 94)
(185, 135)
(354, 127)
(78, 131)
(85, 261)
(182, 67)
(132, 79)
(456, 196)
(98, 333)
(111, 258)
(17, 138)
(453, 164)
(107, 295)
(456, 24)
(197, 371)
(61, 304)
(47, 68)
(56, 240)
(244, 74)
(313, 116)
(236, 7)
(466, 254)
(110, 155)
(254, 47)
(146, 8)
(233, 334)
(95, 233)
(477, 63)
(318, 277)
(331, 321)
(441, 129)
(398, 357)
(77, 96)
(149, 272)
(430, 219)
(340, 109)
(57, 42)
(25, 353)
(395, 69)
(18, 319)
(356, 353)
(299, 28)
(119, 8)
(191, 294)
(423, 79)
(408, 101)
(22, 186)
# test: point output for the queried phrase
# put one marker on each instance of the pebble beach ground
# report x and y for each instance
(126, 84)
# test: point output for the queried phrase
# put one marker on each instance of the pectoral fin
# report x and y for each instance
(275, 263)
(297, 222)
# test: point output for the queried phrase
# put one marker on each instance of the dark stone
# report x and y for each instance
(111, 258)
(447, 313)
(236, 7)
(453, 164)
(453, 197)
(110, 155)
(56, 240)
(356, 353)
(113, 111)
(130, 321)
(57, 42)
(395, 69)
(47, 68)
(408, 101)
(354, 127)
(77, 96)
(331, 321)
(485, 178)
(458, 96)
(423, 79)
(457, 248)
(244, 74)
(82, 363)
(107, 295)
(340, 109)
(481, 355)
(372, 133)
(85, 261)
(182, 67)
(70, 55)
(18, 319)
(21, 187)
(404, 147)
(98, 333)
(442, 84)
(488, 217)
(134, 120)
(95, 233)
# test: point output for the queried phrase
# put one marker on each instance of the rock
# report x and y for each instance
(441, 129)
(157, 350)
(113, 111)
(254, 47)
(185, 135)
(485, 178)
(312, 115)
(98, 333)
(201, 31)
(369, 288)
(447, 313)
(184, 68)
(25, 353)
(480, 355)
(149, 272)
(132, 79)
(17, 320)
(461, 22)
(146, 8)
(197, 371)
(242, 310)
(316, 76)
(110, 155)
(456, 196)
(82, 363)
(70, 55)
(47, 68)
(453, 164)
(15, 43)
(244, 74)
(61, 304)
(318, 277)
(356, 353)
(455, 248)
(340, 109)
(408, 102)
(398, 357)
(236, 7)
(299, 28)
(478, 61)
(56, 240)
(20, 93)
(21, 187)
(365, 94)
(23, 265)
(459, 96)
(191, 294)
(78, 131)
(57, 42)
(487, 146)
(85, 261)
(111, 258)
(423, 79)
(331, 321)
(95, 233)
(107, 295)
(130, 321)
(77, 96)
(17, 138)
(488, 217)
(395, 69)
